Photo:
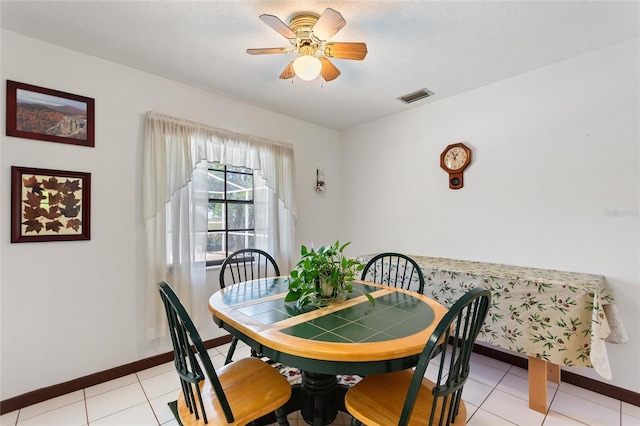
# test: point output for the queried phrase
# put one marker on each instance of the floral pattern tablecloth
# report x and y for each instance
(558, 316)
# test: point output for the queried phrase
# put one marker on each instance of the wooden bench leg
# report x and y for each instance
(538, 384)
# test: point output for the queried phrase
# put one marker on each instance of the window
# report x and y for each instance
(231, 212)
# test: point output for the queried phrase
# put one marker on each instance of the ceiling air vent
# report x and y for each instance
(416, 96)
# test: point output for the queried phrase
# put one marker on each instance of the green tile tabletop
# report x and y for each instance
(397, 326)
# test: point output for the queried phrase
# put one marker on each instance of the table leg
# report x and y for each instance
(318, 397)
(319, 405)
(553, 372)
(538, 384)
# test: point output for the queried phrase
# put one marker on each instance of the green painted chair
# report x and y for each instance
(245, 265)
(407, 397)
(236, 394)
(395, 270)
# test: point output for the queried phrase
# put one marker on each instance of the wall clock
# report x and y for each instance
(454, 159)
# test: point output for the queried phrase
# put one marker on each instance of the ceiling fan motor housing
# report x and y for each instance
(306, 43)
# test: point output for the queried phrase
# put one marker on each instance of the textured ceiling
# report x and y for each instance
(447, 47)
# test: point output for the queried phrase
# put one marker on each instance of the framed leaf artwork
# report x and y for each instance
(35, 112)
(49, 205)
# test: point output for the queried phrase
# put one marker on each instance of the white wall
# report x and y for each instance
(70, 309)
(555, 151)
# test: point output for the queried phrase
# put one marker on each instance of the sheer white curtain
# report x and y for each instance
(175, 204)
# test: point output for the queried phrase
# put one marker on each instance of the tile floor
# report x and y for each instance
(495, 394)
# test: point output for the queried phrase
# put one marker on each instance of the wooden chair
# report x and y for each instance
(407, 397)
(395, 270)
(236, 394)
(248, 264)
(245, 265)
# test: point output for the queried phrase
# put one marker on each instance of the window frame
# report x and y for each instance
(224, 168)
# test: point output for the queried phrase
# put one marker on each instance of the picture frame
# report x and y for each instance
(49, 205)
(39, 113)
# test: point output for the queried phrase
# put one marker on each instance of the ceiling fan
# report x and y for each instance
(308, 35)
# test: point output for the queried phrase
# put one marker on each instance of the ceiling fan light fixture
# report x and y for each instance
(307, 67)
(308, 34)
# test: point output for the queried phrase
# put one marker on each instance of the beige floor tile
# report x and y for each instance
(583, 410)
(518, 386)
(160, 407)
(111, 385)
(485, 374)
(471, 409)
(482, 359)
(108, 403)
(628, 420)
(512, 408)
(475, 392)
(590, 396)
(139, 415)
(154, 371)
(9, 419)
(556, 419)
(161, 384)
(73, 414)
(51, 404)
(484, 418)
(631, 410)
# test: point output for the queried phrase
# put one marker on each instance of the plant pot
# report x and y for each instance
(328, 294)
(324, 287)
(329, 300)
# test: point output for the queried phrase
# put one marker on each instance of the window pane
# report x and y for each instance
(215, 216)
(239, 187)
(216, 184)
(240, 216)
(239, 169)
(215, 246)
(241, 240)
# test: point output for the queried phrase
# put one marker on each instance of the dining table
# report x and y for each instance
(354, 336)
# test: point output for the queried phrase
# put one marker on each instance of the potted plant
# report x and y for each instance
(323, 275)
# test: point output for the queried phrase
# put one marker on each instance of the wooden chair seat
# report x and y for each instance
(378, 400)
(252, 387)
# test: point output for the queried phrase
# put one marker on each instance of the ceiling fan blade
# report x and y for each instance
(329, 23)
(288, 72)
(268, 50)
(277, 24)
(329, 71)
(356, 51)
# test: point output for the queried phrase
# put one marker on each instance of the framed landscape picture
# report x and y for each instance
(49, 115)
(49, 205)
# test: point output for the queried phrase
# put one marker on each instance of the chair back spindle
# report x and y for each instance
(395, 270)
(247, 265)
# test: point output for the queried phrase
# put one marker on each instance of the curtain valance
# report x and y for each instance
(177, 146)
